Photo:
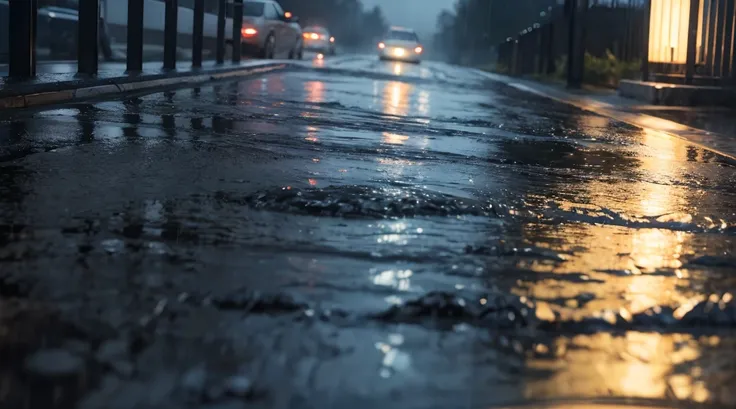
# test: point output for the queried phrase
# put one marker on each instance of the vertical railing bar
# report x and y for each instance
(733, 50)
(692, 41)
(713, 35)
(220, 52)
(718, 43)
(237, 26)
(727, 38)
(135, 36)
(728, 27)
(22, 35)
(645, 41)
(707, 37)
(171, 17)
(88, 37)
(198, 33)
(571, 6)
(551, 49)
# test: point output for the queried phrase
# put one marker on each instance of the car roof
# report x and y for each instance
(316, 27)
(404, 29)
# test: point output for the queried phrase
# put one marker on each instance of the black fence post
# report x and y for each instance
(692, 37)
(22, 38)
(515, 57)
(237, 26)
(645, 41)
(728, 27)
(571, 7)
(220, 53)
(719, 36)
(171, 16)
(197, 33)
(135, 35)
(88, 37)
(541, 51)
(733, 60)
(576, 43)
(550, 68)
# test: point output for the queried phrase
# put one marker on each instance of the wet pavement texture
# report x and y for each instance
(710, 119)
(361, 234)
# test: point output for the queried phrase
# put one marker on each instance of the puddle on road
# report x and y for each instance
(367, 202)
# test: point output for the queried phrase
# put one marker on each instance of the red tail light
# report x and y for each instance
(248, 32)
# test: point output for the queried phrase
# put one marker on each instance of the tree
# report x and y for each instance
(345, 19)
(477, 25)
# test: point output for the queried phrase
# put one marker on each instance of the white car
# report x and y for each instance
(269, 32)
(318, 39)
(400, 44)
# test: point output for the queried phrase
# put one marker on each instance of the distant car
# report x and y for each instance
(269, 32)
(318, 39)
(401, 44)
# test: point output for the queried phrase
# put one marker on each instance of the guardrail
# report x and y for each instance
(23, 30)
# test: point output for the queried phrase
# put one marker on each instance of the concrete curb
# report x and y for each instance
(123, 85)
(668, 129)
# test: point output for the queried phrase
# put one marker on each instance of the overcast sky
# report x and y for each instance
(418, 14)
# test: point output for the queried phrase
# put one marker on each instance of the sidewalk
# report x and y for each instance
(707, 127)
(58, 82)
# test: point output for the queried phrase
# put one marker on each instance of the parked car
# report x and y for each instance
(270, 32)
(400, 44)
(318, 39)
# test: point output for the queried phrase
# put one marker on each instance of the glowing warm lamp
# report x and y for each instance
(668, 27)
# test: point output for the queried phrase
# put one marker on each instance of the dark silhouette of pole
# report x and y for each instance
(728, 27)
(135, 35)
(22, 35)
(692, 41)
(88, 37)
(171, 17)
(220, 53)
(576, 10)
(197, 33)
(645, 41)
(237, 26)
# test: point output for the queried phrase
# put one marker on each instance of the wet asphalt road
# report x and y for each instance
(363, 234)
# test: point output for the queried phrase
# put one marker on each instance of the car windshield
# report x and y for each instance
(402, 36)
(253, 8)
(316, 29)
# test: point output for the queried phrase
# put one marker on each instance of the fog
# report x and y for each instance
(417, 14)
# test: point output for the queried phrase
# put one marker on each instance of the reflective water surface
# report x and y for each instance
(409, 236)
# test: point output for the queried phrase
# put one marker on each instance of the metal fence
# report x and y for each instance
(676, 41)
(172, 22)
(703, 53)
